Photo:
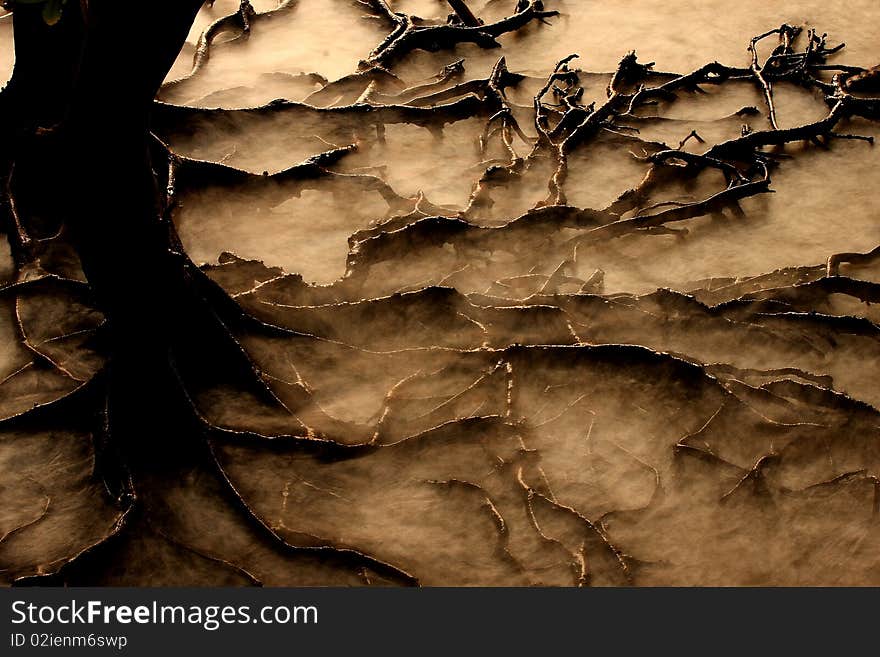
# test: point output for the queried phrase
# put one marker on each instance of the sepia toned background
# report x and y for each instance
(488, 372)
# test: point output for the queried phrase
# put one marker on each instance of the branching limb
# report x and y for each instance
(407, 36)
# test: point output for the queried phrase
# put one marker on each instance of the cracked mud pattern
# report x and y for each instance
(522, 319)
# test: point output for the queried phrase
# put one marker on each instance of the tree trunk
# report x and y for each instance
(92, 79)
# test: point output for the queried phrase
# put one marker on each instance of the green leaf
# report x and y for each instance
(52, 11)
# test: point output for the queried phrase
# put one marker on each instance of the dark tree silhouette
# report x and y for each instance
(88, 176)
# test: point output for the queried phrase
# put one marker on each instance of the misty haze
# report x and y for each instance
(579, 295)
